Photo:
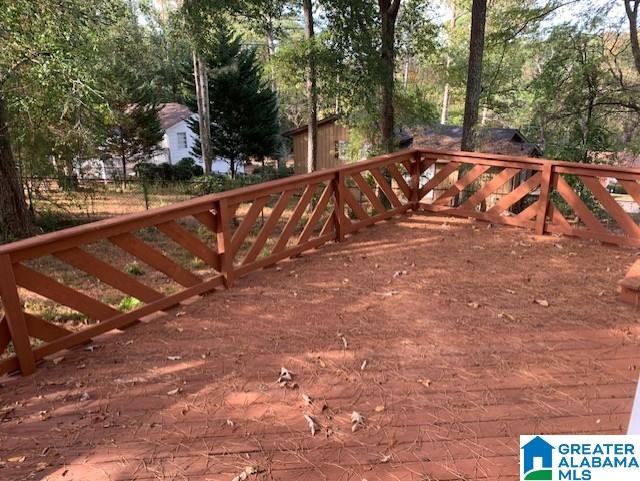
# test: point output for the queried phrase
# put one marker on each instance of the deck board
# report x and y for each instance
(568, 368)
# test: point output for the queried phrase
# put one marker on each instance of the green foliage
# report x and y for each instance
(134, 269)
(243, 108)
(129, 303)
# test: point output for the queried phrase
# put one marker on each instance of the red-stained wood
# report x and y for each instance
(108, 274)
(268, 226)
(190, 242)
(614, 209)
(5, 334)
(402, 184)
(293, 221)
(487, 189)
(317, 213)
(438, 178)
(15, 317)
(41, 329)
(155, 259)
(517, 194)
(368, 192)
(223, 241)
(339, 217)
(247, 223)
(208, 219)
(485, 216)
(632, 188)
(386, 188)
(557, 218)
(461, 184)
(354, 205)
(543, 202)
(126, 318)
(581, 210)
(49, 288)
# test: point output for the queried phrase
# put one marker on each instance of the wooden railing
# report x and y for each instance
(233, 233)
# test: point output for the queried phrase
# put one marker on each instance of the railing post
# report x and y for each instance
(223, 238)
(545, 191)
(415, 180)
(338, 190)
(15, 317)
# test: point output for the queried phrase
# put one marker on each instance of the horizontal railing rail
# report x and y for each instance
(114, 272)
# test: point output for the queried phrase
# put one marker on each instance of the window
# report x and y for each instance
(342, 150)
(182, 140)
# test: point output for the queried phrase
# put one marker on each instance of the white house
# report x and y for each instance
(179, 139)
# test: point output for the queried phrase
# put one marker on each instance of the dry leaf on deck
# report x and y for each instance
(248, 471)
(379, 408)
(285, 375)
(17, 459)
(174, 358)
(307, 399)
(175, 391)
(542, 302)
(357, 420)
(313, 425)
(425, 382)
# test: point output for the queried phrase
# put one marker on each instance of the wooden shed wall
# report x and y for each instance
(328, 135)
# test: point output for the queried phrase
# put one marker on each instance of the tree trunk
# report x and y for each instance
(446, 95)
(312, 92)
(632, 15)
(204, 119)
(16, 220)
(474, 74)
(388, 15)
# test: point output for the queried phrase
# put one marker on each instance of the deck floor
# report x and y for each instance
(427, 327)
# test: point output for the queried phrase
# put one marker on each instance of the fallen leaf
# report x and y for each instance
(58, 360)
(473, 305)
(248, 471)
(363, 365)
(379, 408)
(174, 358)
(385, 459)
(85, 396)
(307, 399)
(505, 315)
(41, 466)
(542, 302)
(313, 425)
(180, 313)
(510, 291)
(357, 420)
(285, 375)
(17, 459)
(230, 423)
(175, 391)
(425, 382)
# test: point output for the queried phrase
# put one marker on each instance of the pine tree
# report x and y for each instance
(134, 125)
(244, 108)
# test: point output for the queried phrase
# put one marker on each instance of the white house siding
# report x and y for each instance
(173, 153)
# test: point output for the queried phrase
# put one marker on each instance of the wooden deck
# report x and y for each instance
(426, 327)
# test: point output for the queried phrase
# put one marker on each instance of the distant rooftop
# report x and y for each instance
(171, 113)
(508, 141)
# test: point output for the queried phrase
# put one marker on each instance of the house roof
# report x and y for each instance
(506, 141)
(303, 128)
(171, 113)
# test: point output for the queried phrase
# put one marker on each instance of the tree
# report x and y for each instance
(312, 93)
(631, 8)
(244, 113)
(134, 126)
(56, 63)
(388, 10)
(474, 73)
